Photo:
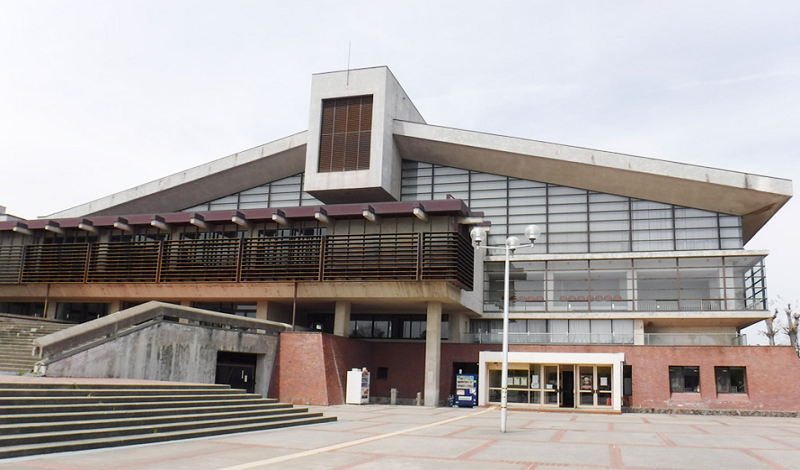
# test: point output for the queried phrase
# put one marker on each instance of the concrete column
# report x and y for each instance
(433, 353)
(458, 327)
(185, 303)
(114, 306)
(50, 313)
(638, 332)
(262, 310)
(341, 320)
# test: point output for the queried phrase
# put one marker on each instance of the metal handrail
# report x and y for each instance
(660, 339)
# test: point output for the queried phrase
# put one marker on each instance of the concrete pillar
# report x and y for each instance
(185, 303)
(262, 310)
(638, 332)
(341, 320)
(50, 312)
(433, 353)
(458, 328)
(114, 306)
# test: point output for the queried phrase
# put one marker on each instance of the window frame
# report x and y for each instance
(678, 375)
(726, 373)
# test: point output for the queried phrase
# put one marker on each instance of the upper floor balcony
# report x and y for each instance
(429, 256)
(677, 282)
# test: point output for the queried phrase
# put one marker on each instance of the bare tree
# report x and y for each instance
(793, 322)
(772, 328)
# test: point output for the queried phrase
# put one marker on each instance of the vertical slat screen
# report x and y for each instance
(345, 134)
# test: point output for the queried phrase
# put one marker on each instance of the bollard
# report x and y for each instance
(393, 399)
(419, 398)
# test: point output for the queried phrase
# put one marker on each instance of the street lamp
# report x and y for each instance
(478, 235)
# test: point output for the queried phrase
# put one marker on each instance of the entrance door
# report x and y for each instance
(567, 389)
(237, 370)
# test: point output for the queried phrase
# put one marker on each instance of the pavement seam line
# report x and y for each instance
(343, 445)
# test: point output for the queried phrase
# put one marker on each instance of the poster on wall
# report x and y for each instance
(586, 382)
(534, 381)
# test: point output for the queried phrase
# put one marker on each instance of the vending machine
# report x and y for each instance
(466, 390)
(357, 387)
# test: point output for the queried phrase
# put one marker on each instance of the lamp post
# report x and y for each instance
(478, 235)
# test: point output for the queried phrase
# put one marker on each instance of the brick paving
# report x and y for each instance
(386, 437)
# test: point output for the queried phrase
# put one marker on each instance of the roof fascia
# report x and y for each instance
(227, 175)
(754, 197)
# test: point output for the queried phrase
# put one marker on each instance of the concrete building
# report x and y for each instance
(356, 232)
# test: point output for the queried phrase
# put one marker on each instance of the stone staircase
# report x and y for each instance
(40, 417)
(16, 341)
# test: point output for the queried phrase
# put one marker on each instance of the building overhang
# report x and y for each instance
(242, 170)
(753, 197)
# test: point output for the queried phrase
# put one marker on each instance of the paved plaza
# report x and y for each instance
(387, 437)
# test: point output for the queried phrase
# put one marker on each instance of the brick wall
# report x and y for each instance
(313, 366)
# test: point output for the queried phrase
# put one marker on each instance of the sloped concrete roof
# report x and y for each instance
(754, 197)
(242, 170)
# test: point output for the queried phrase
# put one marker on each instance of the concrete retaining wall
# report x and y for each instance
(172, 352)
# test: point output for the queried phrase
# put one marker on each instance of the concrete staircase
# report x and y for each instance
(40, 418)
(16, 341)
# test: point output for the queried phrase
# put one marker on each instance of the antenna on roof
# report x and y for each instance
(348, 62)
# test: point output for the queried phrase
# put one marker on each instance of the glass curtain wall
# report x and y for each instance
(671, 284)
(572, 220)
(286, 192)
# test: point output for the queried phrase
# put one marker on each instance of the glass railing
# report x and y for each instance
(650, 339)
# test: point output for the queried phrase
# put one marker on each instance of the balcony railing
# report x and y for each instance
(651, 339)
(445, 256)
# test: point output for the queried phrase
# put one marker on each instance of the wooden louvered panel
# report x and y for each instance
(282, 259)
(351, 150)
(366, 114)
(448, 256)
(338, 153)
(200, 260)
(364, 143)
(124, 262)
(10, 264)
(55, 263)
(353, 115)
(326, 153)
(328, 109)
(345, 134)
(376, 257)
(445, 256)
(340, 116)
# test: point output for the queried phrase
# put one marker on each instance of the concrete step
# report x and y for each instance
(140, 413)
(85, 444)
(41, 416)
(48, 408)
(80, 433)
(109, 392)
(81, 384)
(9, 402)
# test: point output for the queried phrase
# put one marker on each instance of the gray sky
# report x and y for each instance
(96, 97)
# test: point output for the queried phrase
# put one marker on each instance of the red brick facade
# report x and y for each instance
(312, 370)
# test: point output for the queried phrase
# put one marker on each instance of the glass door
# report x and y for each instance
(586, 382)
(536, 385)
(551, 385)
(604, 386)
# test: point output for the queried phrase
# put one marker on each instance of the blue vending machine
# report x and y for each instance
(467, 390)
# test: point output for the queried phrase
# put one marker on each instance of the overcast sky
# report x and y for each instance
(96, 97)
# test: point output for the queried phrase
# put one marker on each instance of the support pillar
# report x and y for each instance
(638, 332)
(458, 325)
(114, 306)
(50, 313)
(185, 303)
(341, 320)
(433, 353)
